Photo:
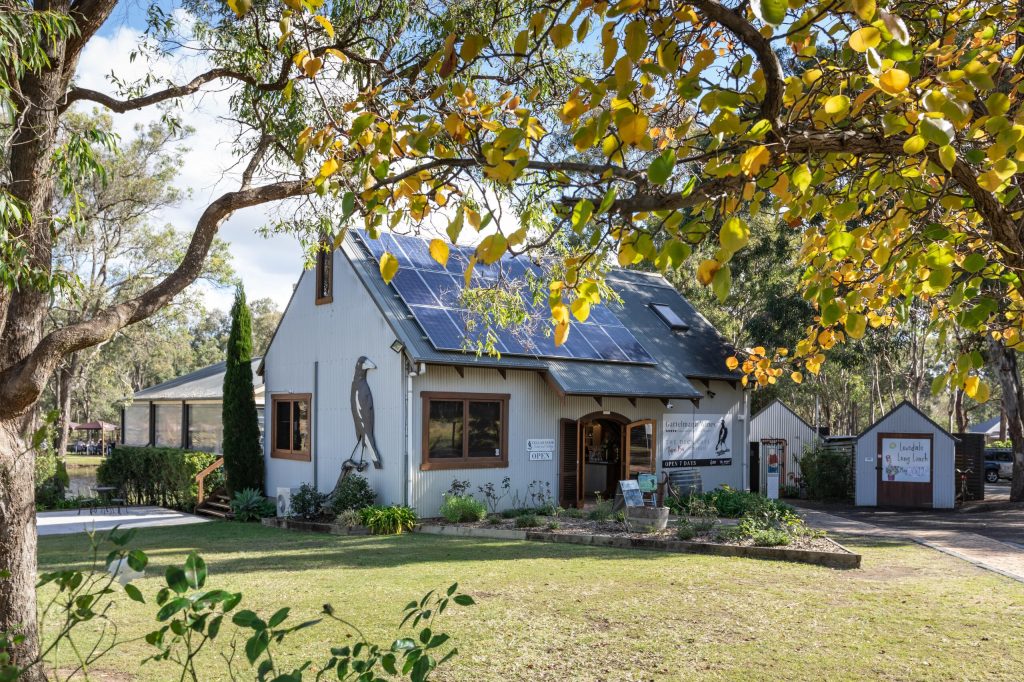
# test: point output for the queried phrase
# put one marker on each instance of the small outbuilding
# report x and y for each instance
(779, 435)
(905, 460)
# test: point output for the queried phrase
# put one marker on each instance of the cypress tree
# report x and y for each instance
(243, 456)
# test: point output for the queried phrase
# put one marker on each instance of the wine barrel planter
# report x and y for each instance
(647, 518)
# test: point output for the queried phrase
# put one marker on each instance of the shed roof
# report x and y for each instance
(904, 405)
(787, 408)
(988, 427)
(203, 384)
(698, 353)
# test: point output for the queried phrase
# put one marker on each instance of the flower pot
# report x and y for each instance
(649, 518)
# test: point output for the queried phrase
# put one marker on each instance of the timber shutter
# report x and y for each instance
(569, 479)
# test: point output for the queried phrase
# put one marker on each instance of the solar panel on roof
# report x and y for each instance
(432, 293)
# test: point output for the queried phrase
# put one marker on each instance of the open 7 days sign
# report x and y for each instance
(692, 440)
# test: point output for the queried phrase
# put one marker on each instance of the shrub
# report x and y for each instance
(494, 519)
(157, 476)
(354, 492)
(728, 502)
(309, 504)
(250, 505)
(243, 455)
(492, 496)
(602, 511)
(573, 513)
(527, 521)
(827, 474)
(554, 525)
(770, 537)
(392, 520)
(703, 515)
(462, 508)
(685, 530)
(509, 513)
(349, 518)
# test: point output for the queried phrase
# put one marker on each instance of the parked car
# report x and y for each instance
(999, 461)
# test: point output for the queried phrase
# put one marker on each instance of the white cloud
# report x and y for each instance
(267, 266)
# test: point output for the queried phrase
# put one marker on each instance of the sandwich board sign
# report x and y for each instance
(631, 493)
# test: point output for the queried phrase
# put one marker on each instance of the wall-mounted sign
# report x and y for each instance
(631, 493)
(907, 460)
(540, 449)
(696, 440)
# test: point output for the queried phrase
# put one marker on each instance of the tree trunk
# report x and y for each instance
(18, 543)
(65, 386)
(1004, 361)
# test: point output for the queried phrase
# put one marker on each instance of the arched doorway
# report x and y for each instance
(600, 449)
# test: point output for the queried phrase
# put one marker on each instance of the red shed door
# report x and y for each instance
(906, 469)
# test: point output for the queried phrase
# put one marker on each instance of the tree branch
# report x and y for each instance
(21, 383)
(771, 106)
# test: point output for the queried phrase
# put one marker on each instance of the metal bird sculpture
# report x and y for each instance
(362, 418)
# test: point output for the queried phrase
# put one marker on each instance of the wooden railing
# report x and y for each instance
(201, 478)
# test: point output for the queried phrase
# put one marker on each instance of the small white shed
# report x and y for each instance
(905, 460)
(778, 429)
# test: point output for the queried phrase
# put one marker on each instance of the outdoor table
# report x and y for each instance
(104, 492)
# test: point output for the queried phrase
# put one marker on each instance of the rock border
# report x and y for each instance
(313, 526)
(842, 558)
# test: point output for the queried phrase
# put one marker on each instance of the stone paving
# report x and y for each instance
(1001, 557)
(70, 521)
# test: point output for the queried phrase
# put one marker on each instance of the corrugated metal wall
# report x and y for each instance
(905, 419)
(331, 338)
(534, 411)
(777, 421)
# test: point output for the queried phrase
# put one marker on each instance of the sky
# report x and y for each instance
(268, 267)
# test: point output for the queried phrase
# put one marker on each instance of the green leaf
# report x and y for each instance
(133, 593)
(607, 201)
(974, 262)
(721, 283)
(734, 235)
(938, 131)
(195, 570)
(172, 607)
(463, 600)
(137, 560)
(661, 168)
(840, 243)
(830, 313)
(176, 579)
(581, 214)
(278, 617)
(770, 11)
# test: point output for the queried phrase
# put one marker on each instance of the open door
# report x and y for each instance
(569, 464)
(639, 457)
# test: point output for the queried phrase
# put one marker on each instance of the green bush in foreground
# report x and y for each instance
(193, 617)
(392, 520)
(728, 502)
(354, 492)
(250, 505)
(462, 508)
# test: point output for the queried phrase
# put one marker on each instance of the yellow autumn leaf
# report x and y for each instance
(894, 81)
(561, 333)
(797, 377)
(706, 271)
(754, 159)
(864, 38)
(856, 325)
(731, 362)
(326, 23)
(561, 36)
(439, 251)
(329, 168)
(388, 267)
(971, 385)
(560, 313)
(632, 127)
(581, 309)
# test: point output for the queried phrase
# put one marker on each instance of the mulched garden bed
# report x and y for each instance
(807, 549)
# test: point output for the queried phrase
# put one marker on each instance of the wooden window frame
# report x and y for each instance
(296, 455)
(324, 252)
(465, 462)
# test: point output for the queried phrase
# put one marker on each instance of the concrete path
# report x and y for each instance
(1001, 557)
(70, 521)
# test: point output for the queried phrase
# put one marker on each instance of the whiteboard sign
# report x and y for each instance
(540, 445)
(690, 439)
(907, 460)
(541, 456)
(631, 494)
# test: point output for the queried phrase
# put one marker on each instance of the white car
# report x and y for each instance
(1004, 458)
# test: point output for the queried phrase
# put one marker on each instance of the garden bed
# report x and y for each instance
(314, 526)
(811, 549)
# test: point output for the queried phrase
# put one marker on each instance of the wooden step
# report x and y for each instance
(213, 513)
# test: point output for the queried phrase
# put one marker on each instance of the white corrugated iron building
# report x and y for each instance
(777, 428)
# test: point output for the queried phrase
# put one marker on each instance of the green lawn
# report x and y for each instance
(557, 612)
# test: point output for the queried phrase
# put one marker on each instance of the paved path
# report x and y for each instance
(70, 521)
(994, 555)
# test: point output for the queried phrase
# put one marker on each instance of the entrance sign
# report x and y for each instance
(631, 493)
(540, 449)
(696, 440)
(907, 460)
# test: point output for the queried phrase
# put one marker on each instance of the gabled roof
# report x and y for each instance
(915, 408)
(698, 353)
(986, 427)
(787, 408)
(203, 384)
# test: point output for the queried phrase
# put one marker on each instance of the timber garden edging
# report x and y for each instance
(842, 558)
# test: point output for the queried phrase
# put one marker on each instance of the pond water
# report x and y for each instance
(82, 475)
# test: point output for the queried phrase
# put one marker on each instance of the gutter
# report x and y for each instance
(414, 371)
